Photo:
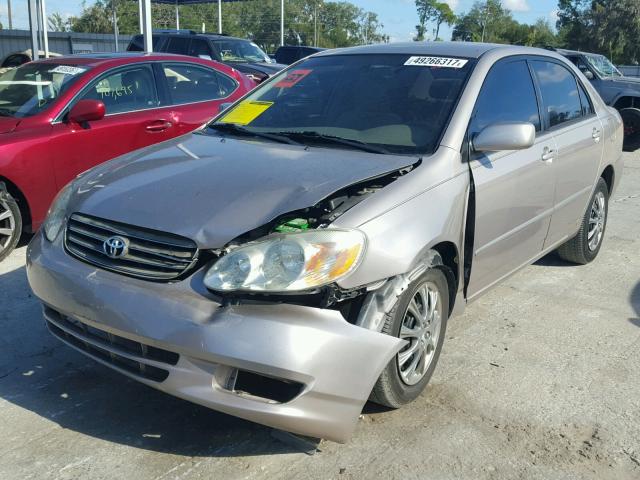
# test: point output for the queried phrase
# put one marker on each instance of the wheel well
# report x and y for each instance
(609, 177)
(627, 102)
(449, 254)
(21, 200)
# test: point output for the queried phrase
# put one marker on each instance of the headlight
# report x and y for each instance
(56, 215)
(288, 262)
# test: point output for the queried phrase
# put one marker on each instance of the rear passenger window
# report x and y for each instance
(125, 91)
(178, 45)
(559, 91)
(507, 95)
(191, 83)
(200, 48)
(587, 107)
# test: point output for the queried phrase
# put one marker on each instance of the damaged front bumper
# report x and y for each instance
(301, 369)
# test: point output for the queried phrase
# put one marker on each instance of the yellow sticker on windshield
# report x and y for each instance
(246, 112)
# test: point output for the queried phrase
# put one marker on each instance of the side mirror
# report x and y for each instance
(505, 136)
(87, 111)
(224, 106)
(588, 74)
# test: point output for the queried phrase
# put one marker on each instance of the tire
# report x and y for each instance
(395, 386)
(583, 248)
(10, 224)
(631, 120)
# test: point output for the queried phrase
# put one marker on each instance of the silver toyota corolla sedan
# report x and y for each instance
(302, 253)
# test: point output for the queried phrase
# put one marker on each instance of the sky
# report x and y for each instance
(398, 16)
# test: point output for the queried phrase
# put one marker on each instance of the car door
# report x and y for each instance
(514, 190)
(195, 92)
(134, 119)
(569, 115)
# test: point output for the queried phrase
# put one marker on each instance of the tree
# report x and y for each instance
(610, 27)
(432, 11)
(56, 23)
(426, 11)
(490, 22)
(339, 24)
(485, 22)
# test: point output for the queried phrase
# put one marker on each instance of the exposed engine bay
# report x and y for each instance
(317, 216)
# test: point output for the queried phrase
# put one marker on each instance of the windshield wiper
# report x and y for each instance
(6, 112)
(321, 137)
(239, 130)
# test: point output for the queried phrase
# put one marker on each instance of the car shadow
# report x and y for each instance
(41, 374)
(553, 260)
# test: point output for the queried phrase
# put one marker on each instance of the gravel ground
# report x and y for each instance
(538, 379)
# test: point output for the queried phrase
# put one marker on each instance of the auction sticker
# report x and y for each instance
(67, 70)
(292, 78)
(246, 112)
(444, 62)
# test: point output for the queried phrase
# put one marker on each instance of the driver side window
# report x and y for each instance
(507, 95)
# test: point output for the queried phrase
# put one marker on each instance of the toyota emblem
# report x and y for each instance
(115, 247)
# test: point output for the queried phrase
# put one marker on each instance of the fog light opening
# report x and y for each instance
(271, 389)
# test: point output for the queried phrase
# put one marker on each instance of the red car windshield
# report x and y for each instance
(31, 88)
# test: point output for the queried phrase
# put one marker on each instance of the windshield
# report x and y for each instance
(31, 88)
(398, 103)
(603, 66)
(240, 51)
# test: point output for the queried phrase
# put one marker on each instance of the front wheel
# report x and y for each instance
(584, 247)
(10, 224)
(420, 318)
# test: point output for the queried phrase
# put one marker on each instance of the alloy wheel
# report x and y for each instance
(421, 328)
(597, 220)
(7, 225)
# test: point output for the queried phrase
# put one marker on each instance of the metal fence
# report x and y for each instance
(630, 70)
(62, 42)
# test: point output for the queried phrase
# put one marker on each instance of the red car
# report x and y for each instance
(62, 116)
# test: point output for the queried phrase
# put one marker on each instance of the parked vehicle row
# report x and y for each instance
(303, 251)
(243, 55)
(62, 116)
(617, 90)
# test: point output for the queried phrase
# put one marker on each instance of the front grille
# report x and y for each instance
(151, 254)
(109, 348)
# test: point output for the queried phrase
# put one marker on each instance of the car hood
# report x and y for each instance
(262, 67)
(212, 189)
(8, 124)
(630, 81)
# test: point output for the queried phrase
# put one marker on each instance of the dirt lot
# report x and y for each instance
(539, 379)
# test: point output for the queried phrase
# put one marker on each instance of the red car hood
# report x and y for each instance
(8, 124)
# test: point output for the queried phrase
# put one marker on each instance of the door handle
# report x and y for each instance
(548, 154)
(596, 135)
(158, 126)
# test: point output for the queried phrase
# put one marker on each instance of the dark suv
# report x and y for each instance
(292, 53)
(618, 91)
(243, 55)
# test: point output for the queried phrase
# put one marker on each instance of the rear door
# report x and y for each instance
(134, 119)
(514, 190)
(195, 93)
(570, 116)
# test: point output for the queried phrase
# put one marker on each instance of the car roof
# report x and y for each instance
(188, 33)
(455, 49)
(100, 59)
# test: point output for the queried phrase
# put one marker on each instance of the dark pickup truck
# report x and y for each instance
(618, 91)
